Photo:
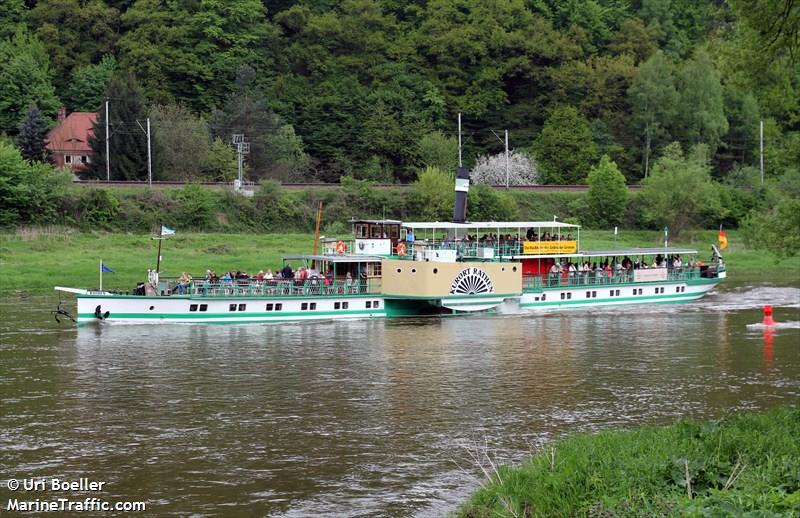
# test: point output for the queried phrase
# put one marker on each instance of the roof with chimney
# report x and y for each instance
(72, 133)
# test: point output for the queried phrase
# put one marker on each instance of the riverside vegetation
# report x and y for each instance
(739, 465)
(34, 259)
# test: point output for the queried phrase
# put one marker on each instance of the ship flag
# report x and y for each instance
(723, 239)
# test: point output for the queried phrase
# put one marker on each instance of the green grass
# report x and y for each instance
(34, 260)
(742, 465)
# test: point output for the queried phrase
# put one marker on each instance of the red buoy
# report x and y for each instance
(768, 315)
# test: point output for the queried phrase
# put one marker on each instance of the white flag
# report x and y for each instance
(166, 231)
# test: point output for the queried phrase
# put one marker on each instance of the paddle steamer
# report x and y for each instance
(392, 268)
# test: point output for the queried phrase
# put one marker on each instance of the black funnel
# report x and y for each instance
(462, 190)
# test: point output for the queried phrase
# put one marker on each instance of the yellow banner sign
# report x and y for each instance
(549, 247)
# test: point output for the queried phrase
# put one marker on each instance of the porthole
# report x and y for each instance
(413, 270)
(514, 269)
(152, 308)
(435, 270)
(399, 270)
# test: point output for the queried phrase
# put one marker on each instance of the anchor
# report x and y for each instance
(98, 313)
(63, 312)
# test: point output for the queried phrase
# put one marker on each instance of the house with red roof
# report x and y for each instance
(68, 142)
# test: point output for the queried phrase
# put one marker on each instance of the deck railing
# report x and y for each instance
(576, 279)
(255, 288)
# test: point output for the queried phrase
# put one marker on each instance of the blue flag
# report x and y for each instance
(105, 269)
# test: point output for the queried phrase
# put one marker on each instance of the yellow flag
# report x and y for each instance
(723, 239)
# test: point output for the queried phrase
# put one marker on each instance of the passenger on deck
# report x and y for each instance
(410, 236)
(287, 272)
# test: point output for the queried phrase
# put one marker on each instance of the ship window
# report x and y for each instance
(376, 269)
(616, 293)
(304, 306)
(313, 305)
(269, 307)
(563, 295)
(232, 307)
(242, 307)
(375, 304)
(435, 271)
(369, 304)
(544, 296)
(152, 308)
(278, 306)
(192, 307)
(203, 307)
(611, 293)
(399, 270)
(594, 294)
(337, 305)
(514, 269)
(536, 299)
(588, 294)
(677, 289)
(345, 305)
(413, 270)
(569, 295)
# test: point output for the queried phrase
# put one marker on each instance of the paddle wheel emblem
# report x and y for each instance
(471, 281)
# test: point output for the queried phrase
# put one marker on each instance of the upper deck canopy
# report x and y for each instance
(448, 225)
(337, 258)
(638, 251)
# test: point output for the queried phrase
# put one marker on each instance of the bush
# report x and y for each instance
(97, 209)
(195, 208)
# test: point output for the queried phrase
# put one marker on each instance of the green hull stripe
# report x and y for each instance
(236, 315)
(677, 297)
(692, 282)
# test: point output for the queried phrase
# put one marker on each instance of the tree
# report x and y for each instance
(76, 33)
(221, 164)
(564, 148)
(25, 79)
(438, 150)
(775, 225)
(274, 147)
(127, 142)
(776, 22)
(433, 195)
(607, 196)
(181, 142)
(491, 169)
(679, 193)
(701, 113)
(31, 193)
(190, 52)
(653, 98)
(32, 138)
(88, 86)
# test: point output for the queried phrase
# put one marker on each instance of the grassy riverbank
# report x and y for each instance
(35, 260)
(728, 467)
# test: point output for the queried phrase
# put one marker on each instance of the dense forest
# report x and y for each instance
(371, 89)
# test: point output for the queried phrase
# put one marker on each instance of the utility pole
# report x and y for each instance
(507, 157)
(149, 155)
(108, 157)
(459, 139)
(761, 146)
(242, 148)
(507, 172)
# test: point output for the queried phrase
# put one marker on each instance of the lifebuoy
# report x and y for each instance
(341, 247)
(401, 249)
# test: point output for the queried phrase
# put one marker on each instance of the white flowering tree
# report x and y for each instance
(491, 169)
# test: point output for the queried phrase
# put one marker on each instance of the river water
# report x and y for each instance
(380, 418)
